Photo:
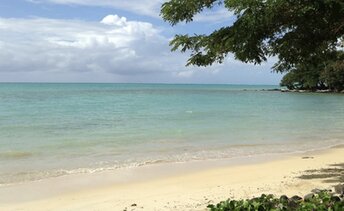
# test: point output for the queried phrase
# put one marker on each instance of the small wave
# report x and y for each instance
(30, 176)
(234, 151)
(15, 155)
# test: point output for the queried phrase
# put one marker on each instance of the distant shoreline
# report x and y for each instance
(301, 91)
(310, 91)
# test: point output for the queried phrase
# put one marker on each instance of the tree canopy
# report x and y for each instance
(317, 73)
(294, 31)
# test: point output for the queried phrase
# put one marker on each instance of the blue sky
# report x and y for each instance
(108, 41)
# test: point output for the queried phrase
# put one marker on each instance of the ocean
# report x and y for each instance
(51, 130)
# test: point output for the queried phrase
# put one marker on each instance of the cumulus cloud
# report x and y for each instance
(114, 20)
(113, 49)
(113, 45)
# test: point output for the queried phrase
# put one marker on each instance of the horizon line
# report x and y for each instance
(152, 83)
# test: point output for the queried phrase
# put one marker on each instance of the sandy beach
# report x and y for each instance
(184, 186)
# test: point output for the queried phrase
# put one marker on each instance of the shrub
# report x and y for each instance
(323, 200)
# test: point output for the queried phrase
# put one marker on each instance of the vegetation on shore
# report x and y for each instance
(321, 200)
(317, 73)
(306, 37)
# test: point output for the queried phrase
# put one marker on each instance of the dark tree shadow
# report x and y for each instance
(333, 174)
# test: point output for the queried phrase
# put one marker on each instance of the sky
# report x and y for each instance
(111, 41)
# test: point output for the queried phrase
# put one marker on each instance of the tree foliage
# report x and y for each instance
(292, 30)
(333, 75)
(316, 73)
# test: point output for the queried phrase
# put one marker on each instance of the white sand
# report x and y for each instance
(168, 187)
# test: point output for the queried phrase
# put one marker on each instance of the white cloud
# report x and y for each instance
(111, 50)
(114, 20)
(113, 45)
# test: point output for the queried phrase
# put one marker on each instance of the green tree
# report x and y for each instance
(333, 73)
(302, 79)
(306, 75)
(317, 72)
(292, 30)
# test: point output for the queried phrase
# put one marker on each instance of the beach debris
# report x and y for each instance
(134, 205)
(307, 157)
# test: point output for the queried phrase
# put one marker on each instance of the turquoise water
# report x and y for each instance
(49, 130)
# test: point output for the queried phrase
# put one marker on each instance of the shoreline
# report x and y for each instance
(201, 163)
(166, 186)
